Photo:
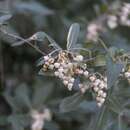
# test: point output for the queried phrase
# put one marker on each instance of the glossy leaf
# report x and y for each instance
(22, 95)
(73, 35)
(71, 103)
(41, 94)
(4, 18)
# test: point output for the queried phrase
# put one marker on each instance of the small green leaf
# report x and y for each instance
(19, 122)
(73, 35)
(22, 95)
(71, 103)
(41, 94)
(11, 101)
(5, 18)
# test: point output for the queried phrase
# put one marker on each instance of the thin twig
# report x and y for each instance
(22, 39)
(103, 44)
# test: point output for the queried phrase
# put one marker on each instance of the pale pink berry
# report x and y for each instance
(46, 58)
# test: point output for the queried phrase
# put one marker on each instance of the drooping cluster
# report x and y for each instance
(72, 71)
(121, 17)
(99, 86)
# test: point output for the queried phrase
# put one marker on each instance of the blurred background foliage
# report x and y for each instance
(23, 89)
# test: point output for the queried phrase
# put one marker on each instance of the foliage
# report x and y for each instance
(33, 23)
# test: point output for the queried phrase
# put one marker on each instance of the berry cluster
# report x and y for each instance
(70, 68)
(99, 86)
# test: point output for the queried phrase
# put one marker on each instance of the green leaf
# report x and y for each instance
(114, 104)
(11, 101)
(4, 18)
(101, 119)
(73, 35)
(71, 103)
(19, 122)
(41, 94)
(89, 106)
(22, 95)
(113, 71)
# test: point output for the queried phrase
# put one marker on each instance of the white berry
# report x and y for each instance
(72, 80)
(104, 95)
(57, 65)
(86, 73)
(102, 100)
(56, 73)
(99, 104)
(92, 78)
(65, 82)
(70, 85)
(100, 92)
(127, 74)
(96, 89)
(79, 58)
